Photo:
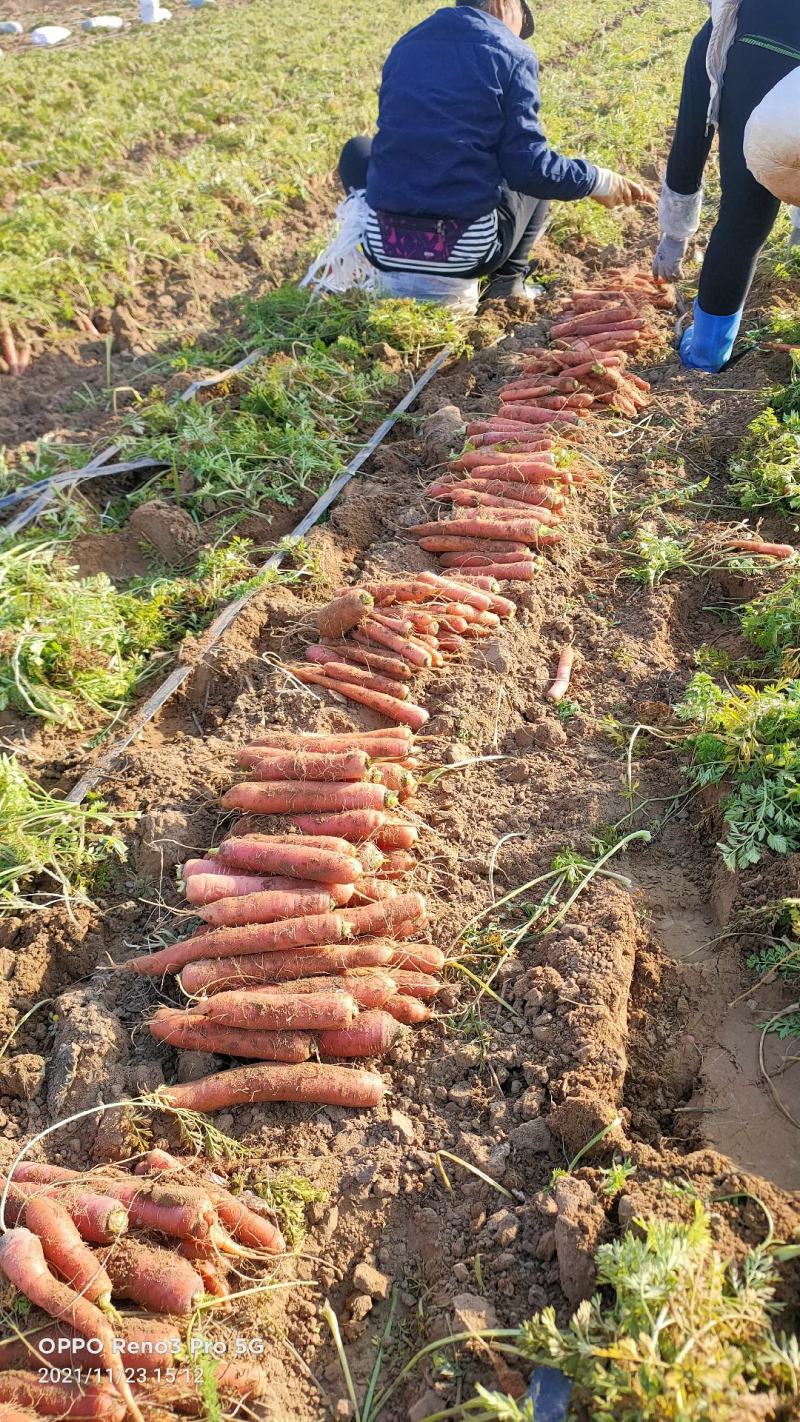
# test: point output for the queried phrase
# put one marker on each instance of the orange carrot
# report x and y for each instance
(756, 546)
(397, 642)
(353, 825)
(157, 1279)
(374, 661)
(476, 561)
(62, 1245)
(296, 860)
(535, 414)
(344, 613)
(272, 1010)
(560, 686)
(373, 1035)
(179, 1029)
(209, 888)
(265, 907)
(408, 1010)
(23, 1264)
(308, 931)
(312, 1082)
(396, 834)
(417, 957)
(458, 543)
(342, 671)
(370, 891)
(146, 1344)
(404, 712)
(421, 985)
(397, 778)
(24, 1395)
(368, 987)
(258, 969)
(320, 741)
(336, 766)
(512, 572)
(290, 797)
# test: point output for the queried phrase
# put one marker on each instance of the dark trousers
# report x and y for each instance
(521, 220)
(747, 210)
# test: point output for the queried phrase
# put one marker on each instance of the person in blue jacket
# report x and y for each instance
(740, 54)
(460, 176)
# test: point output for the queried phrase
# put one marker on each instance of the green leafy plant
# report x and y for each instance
(766, 470)
(772, 622)
(289, 1196)
(616, 1174)
(750, 738)
(44, 838)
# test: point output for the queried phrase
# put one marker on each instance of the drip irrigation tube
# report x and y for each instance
(229, 614)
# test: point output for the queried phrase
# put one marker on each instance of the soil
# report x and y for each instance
(623, 1017)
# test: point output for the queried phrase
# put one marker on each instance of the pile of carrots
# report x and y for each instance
(507, 489)
(77, 1244)
(310, 941)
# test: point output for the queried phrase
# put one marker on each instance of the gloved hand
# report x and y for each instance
(794, 236)
(613, 190)
(668, 259)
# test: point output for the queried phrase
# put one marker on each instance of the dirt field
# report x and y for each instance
(637, 1007)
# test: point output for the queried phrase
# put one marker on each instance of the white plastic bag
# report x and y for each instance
(343, 266)
(151, 13)
(50, 34)
(102, 22)
(772, 140)
(10, 27)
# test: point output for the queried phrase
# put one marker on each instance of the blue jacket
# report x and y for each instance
(459, 117)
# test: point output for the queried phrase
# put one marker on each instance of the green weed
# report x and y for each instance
(45, 838)
(289, 1196)
(766, 470)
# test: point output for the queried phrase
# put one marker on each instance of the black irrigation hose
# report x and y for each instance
(228, 615)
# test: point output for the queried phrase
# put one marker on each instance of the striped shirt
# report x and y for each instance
(431, 251)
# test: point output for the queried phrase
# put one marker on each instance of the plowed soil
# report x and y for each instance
(624, 1010)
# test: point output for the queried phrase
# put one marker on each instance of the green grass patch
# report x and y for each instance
(64, 846)
(70, 646)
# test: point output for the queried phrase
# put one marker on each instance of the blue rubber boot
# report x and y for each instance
(707, 345)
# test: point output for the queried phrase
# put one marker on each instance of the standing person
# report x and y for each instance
(741, 53)
(460, 176)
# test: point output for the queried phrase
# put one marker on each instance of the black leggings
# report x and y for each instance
(747, 210)
(521, 220)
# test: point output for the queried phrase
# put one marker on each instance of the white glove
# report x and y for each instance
(668, 259)
(794, 236)
(612, 190)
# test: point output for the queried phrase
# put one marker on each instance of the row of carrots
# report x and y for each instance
(508, 489)
(313, 947)
(312, 944)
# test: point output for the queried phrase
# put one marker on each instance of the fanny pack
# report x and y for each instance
(398, 240)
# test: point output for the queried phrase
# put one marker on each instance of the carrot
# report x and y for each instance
(370, 891)
(29, 1397)
(272, 1010)
(178, 1029)
(336, 766)
(369, 856)
(353, 825)
(312, 1082)
(513, 572)
(319, 741)
(179, 1213)
(290, 797)
(197, 866)
(408, 1010)
(265, 907)
(210, 888)
(344, 672)
(396, 834)
(214, 975)
(98, 1218)
(404, 712)
(377, 662)
(373, 1035)
(476, 561)
(367, 987)
(418, 957)
(157, 1279)
(479, 458)
(308, 931)
(397, 642)
(23, 1263)
(560, 686)
(540, 413)
(766, 550)
(344, 613)
(521, 530)
(62, 1245)
(541, 494)
(458, 543)
(295, 860)
(495, 506)
(410, 984)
